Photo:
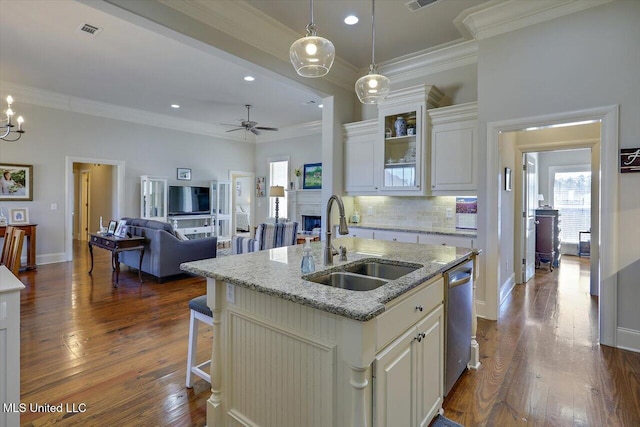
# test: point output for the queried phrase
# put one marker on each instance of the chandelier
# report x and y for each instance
(312, 55)
(373, 88)
(6, 135)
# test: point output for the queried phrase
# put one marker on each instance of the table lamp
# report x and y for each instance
(276, 191)
(540, 200)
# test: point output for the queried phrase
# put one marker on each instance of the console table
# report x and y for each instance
(116, 245)
(30, 235)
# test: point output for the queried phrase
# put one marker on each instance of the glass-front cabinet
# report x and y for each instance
(221, 209)
(402, 150)
(153, 197)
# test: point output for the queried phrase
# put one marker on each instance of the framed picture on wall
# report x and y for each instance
(260, 186)
(312, 176)
(184, 174)
(16, 182)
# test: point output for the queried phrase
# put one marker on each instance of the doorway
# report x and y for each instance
(242, 202)
(604, 161)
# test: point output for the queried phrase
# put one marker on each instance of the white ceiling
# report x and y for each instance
(131, 66)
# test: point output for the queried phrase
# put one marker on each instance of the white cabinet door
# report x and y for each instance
(362, 233)
(361, 169)
(430, 366)
(454, 149)
(442, 239)
(394, 375)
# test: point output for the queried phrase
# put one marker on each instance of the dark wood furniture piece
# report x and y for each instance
(30, 234)
(555, 232)
(301, 238)
(584, 243)
(117, 245)
(544, 240)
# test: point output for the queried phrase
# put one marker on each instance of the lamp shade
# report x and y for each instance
(540, 198)
(276, 191)
(372, 88)
(312, 56)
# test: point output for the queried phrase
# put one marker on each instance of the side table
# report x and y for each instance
(116, 245)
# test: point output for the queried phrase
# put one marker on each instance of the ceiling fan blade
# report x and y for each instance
(229, 124)
(265, 128)
(233, 130)
(254, 131)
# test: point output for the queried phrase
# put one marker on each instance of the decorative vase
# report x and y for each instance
(297, 183)
(401, 126)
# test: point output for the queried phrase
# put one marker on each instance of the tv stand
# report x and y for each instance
(193, 226)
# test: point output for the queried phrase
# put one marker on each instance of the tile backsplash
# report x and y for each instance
(420, 212)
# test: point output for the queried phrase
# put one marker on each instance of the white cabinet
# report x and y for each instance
(396, 236)
(153, 197)
(221, 209)
(193, 226)
(446, 240)
(454, 149)
(385, 159)
(360, 164)
(408, 375)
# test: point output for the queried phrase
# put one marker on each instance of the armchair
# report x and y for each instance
(268, 236)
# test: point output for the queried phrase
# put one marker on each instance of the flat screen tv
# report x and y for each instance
(189, 200)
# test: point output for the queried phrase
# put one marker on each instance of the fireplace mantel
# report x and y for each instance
(303, 202)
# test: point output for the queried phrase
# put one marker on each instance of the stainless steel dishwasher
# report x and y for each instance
(458, 311)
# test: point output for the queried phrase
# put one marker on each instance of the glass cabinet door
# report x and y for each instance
(402, 148)
(153, 197)
(221, 209)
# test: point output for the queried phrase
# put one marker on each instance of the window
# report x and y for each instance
(278, 175)
(572, 197)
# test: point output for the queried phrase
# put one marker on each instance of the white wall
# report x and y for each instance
(585, 60)
(301, 150)
(54, 134)
(507, 215)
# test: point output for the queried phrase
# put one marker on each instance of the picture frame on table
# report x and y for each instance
(121, 229)
(111, 228)
(312, 176)
(18, 216)
(184, 174)
(16, 182)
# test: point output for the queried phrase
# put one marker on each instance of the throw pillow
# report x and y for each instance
(180, 235)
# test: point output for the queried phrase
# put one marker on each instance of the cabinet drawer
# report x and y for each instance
(195, 230)
(401, 315)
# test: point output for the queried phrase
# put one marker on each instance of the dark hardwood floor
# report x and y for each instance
(122, 353)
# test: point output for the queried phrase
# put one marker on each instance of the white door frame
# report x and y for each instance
(252, 215)
(118, 195)
(607, 242)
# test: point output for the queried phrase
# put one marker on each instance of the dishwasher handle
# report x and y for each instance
(460, 277)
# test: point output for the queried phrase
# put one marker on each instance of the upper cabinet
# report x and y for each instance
(454, 149)
(388, 155)
(153, 198)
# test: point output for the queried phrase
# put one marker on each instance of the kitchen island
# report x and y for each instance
(291, 352)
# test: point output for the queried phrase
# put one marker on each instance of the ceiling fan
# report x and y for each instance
(249, 125)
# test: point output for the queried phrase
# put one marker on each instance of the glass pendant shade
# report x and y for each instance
(312, 55)
(372, 88)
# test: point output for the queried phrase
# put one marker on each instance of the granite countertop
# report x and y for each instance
(461, 232)
(277, 272)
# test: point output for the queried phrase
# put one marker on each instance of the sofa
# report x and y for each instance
(163, 251)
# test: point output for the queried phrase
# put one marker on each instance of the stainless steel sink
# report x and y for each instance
(349, 281)
(381, 270)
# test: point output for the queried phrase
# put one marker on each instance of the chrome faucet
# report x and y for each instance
(329, 250)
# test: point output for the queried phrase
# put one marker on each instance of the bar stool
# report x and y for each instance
(199, 312)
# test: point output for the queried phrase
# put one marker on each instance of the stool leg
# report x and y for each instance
(193, 346)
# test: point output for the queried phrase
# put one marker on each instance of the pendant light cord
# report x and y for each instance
(311, 12)
(373, 32)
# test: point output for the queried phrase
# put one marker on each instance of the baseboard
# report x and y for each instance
(506, 288)
(50, 258)
(481, 308)
(628, 339)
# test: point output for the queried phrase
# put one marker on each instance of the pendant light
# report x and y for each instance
(312, 56)
(373, 88)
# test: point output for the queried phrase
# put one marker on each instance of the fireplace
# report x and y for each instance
(309, 222)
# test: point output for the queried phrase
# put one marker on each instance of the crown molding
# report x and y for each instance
(502, 16)
(427, 62)
(59, 101)
(243, 22)
(295, 131)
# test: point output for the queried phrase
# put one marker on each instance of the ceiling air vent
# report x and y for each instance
(89, 29)
(414, 5)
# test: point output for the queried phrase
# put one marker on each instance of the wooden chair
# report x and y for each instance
(16, 251)
(6, 247)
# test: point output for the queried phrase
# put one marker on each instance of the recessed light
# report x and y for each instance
(320, 106)
(351, 20)
(176, 106)
(249, 78)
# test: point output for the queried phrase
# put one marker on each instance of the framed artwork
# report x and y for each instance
(184, 174)
(16, 182)
(112, 227)
(18, 216)
(121, 229)
(312, 176)
(507, 179)
(260, 186)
